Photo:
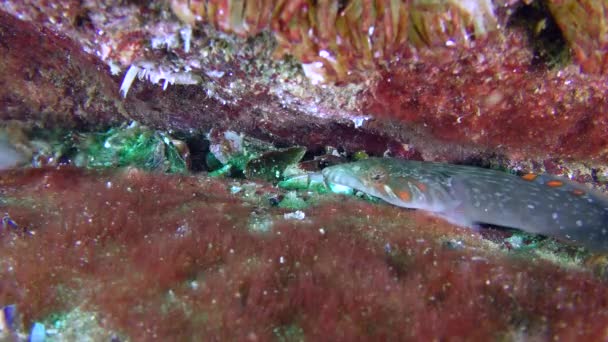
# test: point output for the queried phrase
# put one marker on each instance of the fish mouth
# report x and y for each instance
(339, 176)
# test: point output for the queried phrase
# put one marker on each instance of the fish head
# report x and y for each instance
(371, 177)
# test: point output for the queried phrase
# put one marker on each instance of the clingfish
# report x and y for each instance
(468, 196)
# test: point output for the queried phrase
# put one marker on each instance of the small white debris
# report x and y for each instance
(478, 258)
(186, 34)
(324, 54)
(51, 332)
(370, 30)
(114, 68)
(168, 41)
(314, 72)
(156, 74)
(322, 231)
(296, 215)
(359, 120)
(281, 260)
(516, 241)
(128, 80)
(327, 55)
(388, 248)
(579, 223)
(183, 231)
(215, 73)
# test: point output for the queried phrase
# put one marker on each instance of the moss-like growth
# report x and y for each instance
(133, 145)
(293, 202)
(240, 156)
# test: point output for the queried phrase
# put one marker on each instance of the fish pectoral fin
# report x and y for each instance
(455, 209)
(454, 212)
(458, 218)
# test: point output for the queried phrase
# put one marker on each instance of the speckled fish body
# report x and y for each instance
(9, 157)
(466, 196)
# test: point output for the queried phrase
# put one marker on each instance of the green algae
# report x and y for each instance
(289, 333)
(312, 182)
(293, 202)
(272, 165)
(223, 171)
(521, 241)
(126, 145)
(76, 325)
(132, 145)
(360, 155)
(528, 246)
(234, 155)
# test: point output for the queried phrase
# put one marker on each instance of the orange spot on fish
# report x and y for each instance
(529, 176)
(421, 186)
(379, 187)
(554, 183)
(578, 192)
(404, 196)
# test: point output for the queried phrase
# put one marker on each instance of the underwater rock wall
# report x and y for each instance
(224, 91)
(488, 94)
(151, 256)
(486, 82)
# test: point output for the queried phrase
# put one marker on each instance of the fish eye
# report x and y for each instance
(377, 175)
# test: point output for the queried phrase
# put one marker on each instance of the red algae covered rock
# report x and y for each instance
(171, 257)
(45, 76)
(155, 256)
(494, 99)
(460, 82)
(48, 80)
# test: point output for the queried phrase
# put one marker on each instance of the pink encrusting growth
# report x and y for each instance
(171, 257)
